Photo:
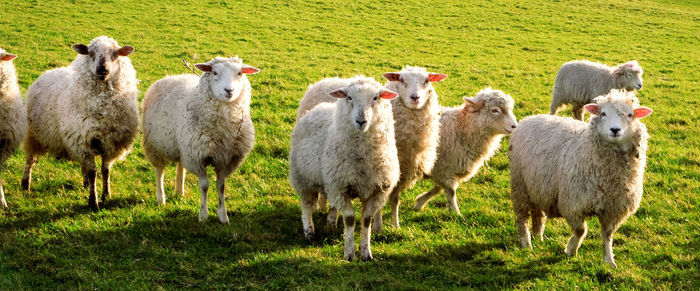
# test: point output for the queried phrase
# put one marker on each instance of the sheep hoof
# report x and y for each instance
(93, 205)
(365, 254)
(203, 215)
(610, 261)
(4, 203)
(350, 256)
(25, 184)
(309, 233)
(223, 218)
(418, 207)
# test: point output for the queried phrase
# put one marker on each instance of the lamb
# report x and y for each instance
(561, 167)
(469, 135)
(355, 140)
(87, 109)
(198, 122)
(578, 82)
(13, 117)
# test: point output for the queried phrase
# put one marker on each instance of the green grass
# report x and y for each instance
(49, 239)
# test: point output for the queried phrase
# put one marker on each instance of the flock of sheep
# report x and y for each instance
(354, 138)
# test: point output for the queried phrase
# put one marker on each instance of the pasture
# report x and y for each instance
(50, 239)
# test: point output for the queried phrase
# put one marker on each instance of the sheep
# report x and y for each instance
(416, 116)
(87, 109)
(198, 122)
(13, 117)
(578, 82)
(469, 135)
(347, 150)
(561, 167)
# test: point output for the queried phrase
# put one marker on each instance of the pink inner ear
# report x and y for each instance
(126, 50)
(250, 70)
(437, 77)
(8, 57)
(392, 76)
(592, 108)
(642, 112)
(203, 67)
(388, 95)
(338, 93)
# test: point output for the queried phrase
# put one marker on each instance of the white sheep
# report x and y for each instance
(13, 117)
(469, 135)
(417, 120)
(347, 150)
(561, 167)
(87, 109)
(578, 82)
(199, 122)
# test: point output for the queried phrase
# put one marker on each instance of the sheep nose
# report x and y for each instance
(101, 71)
(414, 97)
(361, 122)
(228, 90)
(615, 130)
(513, 126)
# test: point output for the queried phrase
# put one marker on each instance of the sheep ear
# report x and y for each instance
(340, 93)
(7, 57)
(473, 104)
(642, 112)
(249, 70)
(394, 76)
(125, 50)
(435, 77)
(388, 94)
(592, 108)
(203, 67)
(81, 49)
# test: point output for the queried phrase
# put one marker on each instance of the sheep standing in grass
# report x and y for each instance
(87, 109)
(416, 115)
(347, 150)
(13, 117)
(578, 82)
(199, 122)
(561, 167)
(469, 135)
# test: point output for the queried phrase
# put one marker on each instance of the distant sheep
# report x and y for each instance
(563, 167)
(87, 109)
(199, 122)
(578, 82)
(469, 135)
(347, 150)
(13, 117)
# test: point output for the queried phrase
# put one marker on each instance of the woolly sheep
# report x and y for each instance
(87, 109)
(561, 167)
(197, 122)
(416, 115)
(469, 135)
(13, 117)
(347, 150)
(578, 82)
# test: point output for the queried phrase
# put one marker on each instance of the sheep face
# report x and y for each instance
(414, 85)
(614, 119)
(629, 75)
(497, 107)
(226, 77)
(103, 56)
(362, 103)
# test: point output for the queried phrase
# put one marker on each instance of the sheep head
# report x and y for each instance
(496, 108)
(362, 102)
(629, 76)
(615, 116)
(414, 86)
(103, 55)
(226, 77)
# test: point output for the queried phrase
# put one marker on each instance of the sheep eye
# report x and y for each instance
(495, 110)
(375, 98)
(215, 73)
(629, 115)
(240, 73)
(349, 98)
(603, 114)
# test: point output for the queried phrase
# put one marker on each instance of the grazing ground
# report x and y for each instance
(50, 239)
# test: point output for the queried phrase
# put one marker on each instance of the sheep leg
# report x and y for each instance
(179, 181)
(307, 199)
(554, 107)
(3, 203)
(27, 177)
(332, 218)
(106, 167)
(579, 229)
(369, 208)
(160, 195)
(578, 111)
(377, 225)
(607, 229)
(322, 202)
(521, 218)
(395, 200)
(220, 186)
(424, 198)
(538, 220)
(451, 195)
(203, 188)
(349, 221)
(88, 167)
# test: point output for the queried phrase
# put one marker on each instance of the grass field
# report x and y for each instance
(49, 239)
